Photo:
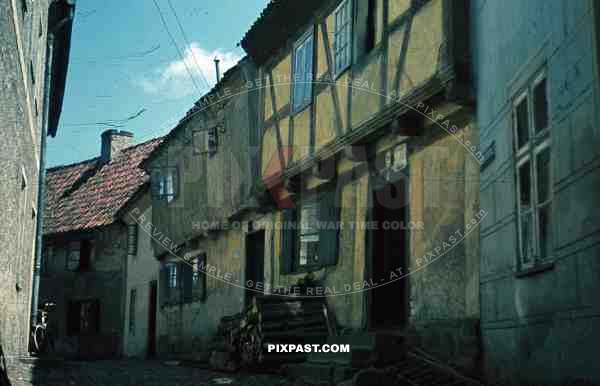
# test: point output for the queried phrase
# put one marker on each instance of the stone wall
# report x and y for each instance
(22, 57)
(103, 281)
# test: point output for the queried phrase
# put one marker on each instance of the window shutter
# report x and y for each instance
(329, 213)
(132, 234)
(163, 283)
(95, 316)
(73, 318)
(288, 240)
(187, 276)
(201, 277)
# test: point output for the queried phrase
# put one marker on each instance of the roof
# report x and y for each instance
(89, 194)
(277, 23)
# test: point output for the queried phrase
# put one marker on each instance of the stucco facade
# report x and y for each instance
(398, 118)
(212, 183)
(539, 310)
(141, 295)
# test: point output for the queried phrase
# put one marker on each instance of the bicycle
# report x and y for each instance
(40, 334)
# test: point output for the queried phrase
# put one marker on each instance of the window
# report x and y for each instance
(45, 263)
(533, 173)
(79, 255)
(303, 68)
(310, 233)
(213, 141)
(342, 37)
(171, 283)
(172, 275)
(83, 317)
(166, 184)
(132, 299)
(370, 36)
(132, 238)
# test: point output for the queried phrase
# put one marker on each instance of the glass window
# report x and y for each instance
(303, 67)
(73, 255)
(309, 233)
(342, 36)
(540, 106)
(522, 122)
(534, 180)
(172, 275)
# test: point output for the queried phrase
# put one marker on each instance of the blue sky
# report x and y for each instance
(123, 61)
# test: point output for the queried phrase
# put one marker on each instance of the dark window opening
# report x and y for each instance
(79, 255)
(83, 317)
(371, 26)
(132, 299)
(522, 121)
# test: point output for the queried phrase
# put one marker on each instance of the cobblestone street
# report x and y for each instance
(132, 372)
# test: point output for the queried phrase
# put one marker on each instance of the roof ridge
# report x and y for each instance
(97, 158)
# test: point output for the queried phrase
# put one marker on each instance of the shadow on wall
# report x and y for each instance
(4, 381)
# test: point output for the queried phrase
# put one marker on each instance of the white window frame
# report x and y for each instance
(304, 235)
(167, 184)
(306, 81)
(342, 33)
(535, 144)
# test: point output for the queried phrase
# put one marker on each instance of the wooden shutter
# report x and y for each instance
(132, 237)
(95, 317)
(85, 252)
(163, 283)
(329, 216)
(201, 277)
(288, 241)
(187, 273)
(73, 318)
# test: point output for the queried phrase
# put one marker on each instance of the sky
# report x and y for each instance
(126, 73)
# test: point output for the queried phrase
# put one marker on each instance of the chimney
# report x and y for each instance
(113, 142)
(217, 69)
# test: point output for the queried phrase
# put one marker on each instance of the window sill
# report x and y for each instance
(536, 269)
(305, 269)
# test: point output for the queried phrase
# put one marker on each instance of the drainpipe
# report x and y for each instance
(39, 229)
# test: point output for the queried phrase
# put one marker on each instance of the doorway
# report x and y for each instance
(389, 302)
(151, 339)
(255, 261)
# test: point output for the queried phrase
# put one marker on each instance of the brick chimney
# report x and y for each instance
(113, 142)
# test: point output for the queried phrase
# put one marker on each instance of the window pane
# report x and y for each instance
(544, 230)
(540, 103)
(543, 175)
(172, 276)
(309, 233)
(308, 68)
(525, 185)
(522, 122)
(526, 238)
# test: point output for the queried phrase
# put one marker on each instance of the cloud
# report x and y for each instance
(174, 79)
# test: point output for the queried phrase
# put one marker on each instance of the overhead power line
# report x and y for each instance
(187, 42)
(164, 22)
